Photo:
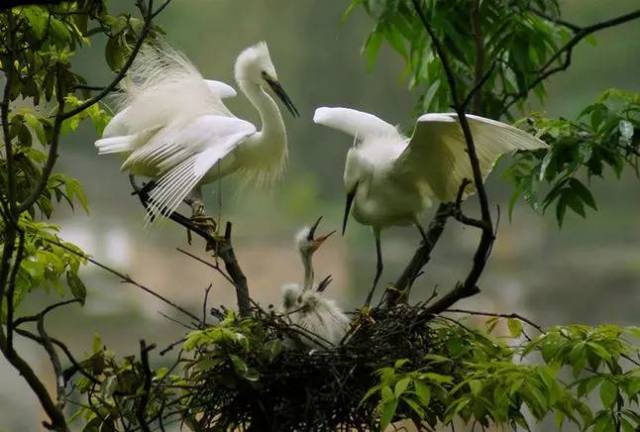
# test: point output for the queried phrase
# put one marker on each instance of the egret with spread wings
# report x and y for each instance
(390, 179)
(174, 127)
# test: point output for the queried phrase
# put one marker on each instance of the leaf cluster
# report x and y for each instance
(606, 134)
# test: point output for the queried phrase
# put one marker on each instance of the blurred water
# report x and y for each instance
(587, 272)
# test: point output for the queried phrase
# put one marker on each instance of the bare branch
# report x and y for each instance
(498, 315)
(222, 247)
(566, 50)
(144, 398)
(399, 293)
(125, 278)
(422, 256)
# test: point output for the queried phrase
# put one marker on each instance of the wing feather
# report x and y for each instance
(437, 151)
(353, 122)
(187, 156)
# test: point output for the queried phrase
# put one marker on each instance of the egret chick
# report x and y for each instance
(390, 179)
(178, 131)
(306, 305)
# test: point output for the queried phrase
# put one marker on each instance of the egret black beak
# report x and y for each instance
(347, 208)
(317, 241)
(282, 95)
(324, 284)
(314, 227)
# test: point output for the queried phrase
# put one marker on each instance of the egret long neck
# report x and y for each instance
(308, 271)
(273, 129)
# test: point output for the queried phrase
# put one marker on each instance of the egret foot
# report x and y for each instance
(199, 217)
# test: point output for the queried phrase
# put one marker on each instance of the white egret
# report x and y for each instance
(306, 305)
(174, 127)
(390, 179)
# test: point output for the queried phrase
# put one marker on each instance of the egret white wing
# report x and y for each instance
(437, 151)
(353, 122)
(119, 125)
(223, 90)
(186, 153)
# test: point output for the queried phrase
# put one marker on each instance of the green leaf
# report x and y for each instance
(423, 392)
(608, 393)
(583, 192)
(239, 365)
(401, 386)
(515, 327)
(78, 289)
(388, 411)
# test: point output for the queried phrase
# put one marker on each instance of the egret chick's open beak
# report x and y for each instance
(282, 95)
(317, 241)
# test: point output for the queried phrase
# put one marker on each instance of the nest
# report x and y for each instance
(303, 389)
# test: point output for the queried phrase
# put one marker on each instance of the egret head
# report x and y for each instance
(307, 241)
(254, 65)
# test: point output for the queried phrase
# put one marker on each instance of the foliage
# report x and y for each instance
(606, 134)
(516, 43)
(259, 371)
(514, 48)
(484, 381)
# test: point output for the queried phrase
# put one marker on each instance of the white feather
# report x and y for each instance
(313, 312)
(193, 151)
(356, 123)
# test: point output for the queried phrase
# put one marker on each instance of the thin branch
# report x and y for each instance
(55, 362)
(125, 278)
(45, 311)
(61, 115)
(399, 293)
(498, 315)
(468, 287)
(11, 287)
(9, 73)
(480, 77)
(222, 247)
(566, 50)
(556, 20)
(148, 19)
(144, 398)
(216, 267)
(57, 419)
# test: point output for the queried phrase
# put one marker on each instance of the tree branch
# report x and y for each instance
(125, 278)
(468, 287)
(399, 293)
(567, 50)
(144, 398)
(222, 247)
(61, 115)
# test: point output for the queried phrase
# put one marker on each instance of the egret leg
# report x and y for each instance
(379, 265)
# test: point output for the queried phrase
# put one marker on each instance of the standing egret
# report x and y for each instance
(390, 179)
(307, 306)
(176, 129)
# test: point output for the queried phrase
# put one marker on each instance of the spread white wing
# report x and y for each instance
(122, 123)
(356, 123)
(185, 153)
(161, 87)
(437, 151)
